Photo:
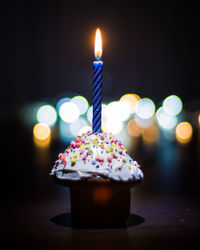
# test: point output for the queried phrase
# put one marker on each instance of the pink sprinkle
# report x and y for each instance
(78, 144)
(109, 159)
(101, 159)
(84, 157)
(119, 143)
(73, 144)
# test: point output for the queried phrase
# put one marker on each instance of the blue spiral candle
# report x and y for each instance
(97, 84)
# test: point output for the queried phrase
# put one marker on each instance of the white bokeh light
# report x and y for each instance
(165, 120)
(69, 112)
(76, 126)
(145, 108)
(112, 126)
(47, 114)
(118, 111)
(81, 102)
(144, 123)
(172, 105)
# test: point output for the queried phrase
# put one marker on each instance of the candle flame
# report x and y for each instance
(98, 45)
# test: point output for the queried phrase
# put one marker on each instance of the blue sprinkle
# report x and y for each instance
(97, 166)
(94, 162)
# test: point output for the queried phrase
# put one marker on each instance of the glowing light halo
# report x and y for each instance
(172, 105)
(76, 126)
(118, 111)
(69, 112)
(184, 132)
(41, 131)
(47, 114)
(112, 126)
(145, 108)
(165, 120)
(133, 128)
(81, 102)
(132, 99)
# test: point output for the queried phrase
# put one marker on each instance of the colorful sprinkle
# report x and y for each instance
(73, 162)
(109, 158)
(73, 144)
(93, 162)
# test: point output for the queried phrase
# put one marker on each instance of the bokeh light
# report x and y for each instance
(118, 111)
(85, 130)
(81, 102)
(165, 120)
(131, 99)
(144, 123)
(69, 112)
(145, 108)
(184, 132)
(64, 132)
(62, 101)
(150, 135)
(41, 131)
(133, 128)
(112, 126)
(47, 114)
(172, 105)
(76, 126)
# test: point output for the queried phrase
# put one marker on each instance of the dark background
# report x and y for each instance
(150, 48)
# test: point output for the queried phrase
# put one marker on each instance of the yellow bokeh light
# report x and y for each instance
(131, 99)
(133, 128)
(150, 134)
(199, 119)
(41, 132)
(184, 132)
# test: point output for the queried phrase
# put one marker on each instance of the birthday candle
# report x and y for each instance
(97, 84)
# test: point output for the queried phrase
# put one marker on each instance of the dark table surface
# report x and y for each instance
(165, 208)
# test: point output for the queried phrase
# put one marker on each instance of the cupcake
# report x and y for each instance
(100, 174)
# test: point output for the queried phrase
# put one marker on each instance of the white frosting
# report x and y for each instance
(96, 161)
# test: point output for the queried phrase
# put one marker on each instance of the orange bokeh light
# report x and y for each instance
(184, 132)
(133, 128)
(131, 99)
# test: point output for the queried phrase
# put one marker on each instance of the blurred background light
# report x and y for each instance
(143, 122)
(165, 120)
(47, 114)
(133, 128)
(41, 131)
(85, 130)
(69, 112)
(76, 126)
(131, 99)
(150, 134)
(184, 132)
(62, 101)
(81, 102)
(145, 108)
(172, 105)
(89, 114)
(112, 126)
(64, 132)
(118, 111)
